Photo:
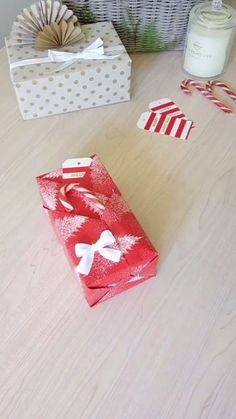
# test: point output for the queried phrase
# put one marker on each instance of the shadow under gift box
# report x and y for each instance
(85, 224)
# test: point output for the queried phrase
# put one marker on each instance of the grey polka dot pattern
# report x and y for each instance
(85, 84)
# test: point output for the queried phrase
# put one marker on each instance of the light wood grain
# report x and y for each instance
(165, 349)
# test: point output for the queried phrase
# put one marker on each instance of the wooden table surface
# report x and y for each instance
(165, 349)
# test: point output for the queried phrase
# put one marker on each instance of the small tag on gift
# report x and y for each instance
(75, 168)
(166, 106)
(164, 124)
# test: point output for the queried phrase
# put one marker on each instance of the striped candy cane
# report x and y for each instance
(76, 186)
(188, 82)
(216, 83)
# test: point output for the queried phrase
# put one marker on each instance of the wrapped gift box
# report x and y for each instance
(105, 244)
(86, 83)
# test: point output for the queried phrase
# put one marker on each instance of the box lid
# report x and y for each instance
(104, 30)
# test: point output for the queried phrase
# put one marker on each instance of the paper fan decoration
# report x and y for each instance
(58, 34)
(46, 24)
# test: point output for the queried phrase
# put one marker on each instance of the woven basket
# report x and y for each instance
(143, 25)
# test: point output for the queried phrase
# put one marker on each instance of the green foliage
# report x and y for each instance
(150, 40)
(132, 33)
(131, 28)
(84, 14)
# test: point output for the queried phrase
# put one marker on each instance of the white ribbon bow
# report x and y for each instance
(94, 51)
(87, 252)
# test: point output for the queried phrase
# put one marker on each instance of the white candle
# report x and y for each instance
(209, 40)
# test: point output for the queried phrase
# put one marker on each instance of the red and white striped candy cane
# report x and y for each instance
(216, 83)
(76, 186)
(188, 82)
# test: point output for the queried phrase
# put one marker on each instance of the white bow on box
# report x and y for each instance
(87, 252)
(94, 51)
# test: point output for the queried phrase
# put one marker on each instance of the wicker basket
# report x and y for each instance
(143, 25)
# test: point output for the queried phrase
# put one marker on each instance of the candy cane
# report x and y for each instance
(66, 203)
(212, 83)
(185, 87)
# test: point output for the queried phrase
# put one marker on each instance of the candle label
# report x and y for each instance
(206, 52)
(196, 50)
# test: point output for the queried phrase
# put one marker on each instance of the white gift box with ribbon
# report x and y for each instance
(94, 72)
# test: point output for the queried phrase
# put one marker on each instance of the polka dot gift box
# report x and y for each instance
(96, 71)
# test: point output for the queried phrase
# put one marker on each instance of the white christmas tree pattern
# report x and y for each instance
(102, 266)
(99, 176)
(49, 191)
(117, 207)
(53, 175)
(138, 273)
(88, 201)
(68, 225)
(102, 198)
(126, 242)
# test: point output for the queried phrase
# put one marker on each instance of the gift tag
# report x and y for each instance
(166, 106)
(164, 124)
(75, 168)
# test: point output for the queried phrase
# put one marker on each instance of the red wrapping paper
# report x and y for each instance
(85, 224)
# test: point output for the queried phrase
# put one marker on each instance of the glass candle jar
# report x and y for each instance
(210, 35)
